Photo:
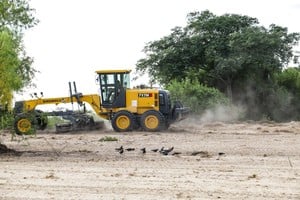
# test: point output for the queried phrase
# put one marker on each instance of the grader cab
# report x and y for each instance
(127, 109)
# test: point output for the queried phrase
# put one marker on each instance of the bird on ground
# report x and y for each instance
(166, 151)
(169, 150)
(176, 153)
(119, 149)
(130, 149)
(161, 150)
(154, 150)
(219, 155)
(143, 150)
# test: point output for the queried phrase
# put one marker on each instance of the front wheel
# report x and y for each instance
(24, 124)
(153, 120)
(123, 121)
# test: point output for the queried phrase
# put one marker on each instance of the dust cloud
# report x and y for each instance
(218, 114)
(222, 113)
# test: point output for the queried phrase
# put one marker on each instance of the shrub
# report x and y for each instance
(6, 120)
(196, 95)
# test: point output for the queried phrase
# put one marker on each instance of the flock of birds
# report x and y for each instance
(162, 151)
(169, 151)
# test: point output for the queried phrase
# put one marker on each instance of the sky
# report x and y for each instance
(77, 37)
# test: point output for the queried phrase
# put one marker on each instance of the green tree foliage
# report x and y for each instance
(287, 106)
(16, 71)
(9, 63)
(16, 15)
(229, 52)
(290, 79)
(195, 95)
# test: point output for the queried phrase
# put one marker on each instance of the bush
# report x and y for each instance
(290, 79)
(196, 96)
(6, 121)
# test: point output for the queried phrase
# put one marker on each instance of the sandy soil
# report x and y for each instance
(209, 161)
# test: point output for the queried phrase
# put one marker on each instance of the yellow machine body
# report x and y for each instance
(128, 109)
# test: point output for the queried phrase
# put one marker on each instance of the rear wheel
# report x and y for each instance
(24, 124)
(123, 121)
(152, 120)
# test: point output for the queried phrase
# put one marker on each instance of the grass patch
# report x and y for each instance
(108, 139)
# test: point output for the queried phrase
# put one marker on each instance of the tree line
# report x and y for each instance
(233, 54)
(226, 59)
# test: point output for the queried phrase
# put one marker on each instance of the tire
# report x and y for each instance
(153, 121)
(123, 121)
(24, 124)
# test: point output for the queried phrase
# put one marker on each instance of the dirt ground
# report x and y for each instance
(209, 161)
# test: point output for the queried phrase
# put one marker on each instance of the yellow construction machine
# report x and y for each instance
(127, 109)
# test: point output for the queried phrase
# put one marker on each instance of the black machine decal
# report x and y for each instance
(145, 95)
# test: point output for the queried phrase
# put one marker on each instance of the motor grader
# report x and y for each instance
(127, 109)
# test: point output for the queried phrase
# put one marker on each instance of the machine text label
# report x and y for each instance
(145, 95)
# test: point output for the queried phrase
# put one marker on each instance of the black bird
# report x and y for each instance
(220, 154)
(130, 149)
(161, 150)
(154, 150)
(176, 153)
(169, 150)
(143, 150)
(166, 151)
(119, 149)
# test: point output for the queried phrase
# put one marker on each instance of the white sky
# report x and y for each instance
(76, 37)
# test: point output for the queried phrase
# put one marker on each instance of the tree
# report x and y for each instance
(16, 15)
(229, 52)
(16, 71)
(199, 47)
(9, 63)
